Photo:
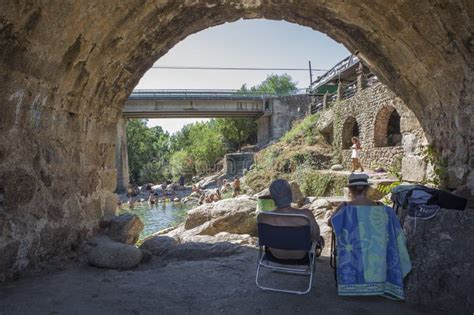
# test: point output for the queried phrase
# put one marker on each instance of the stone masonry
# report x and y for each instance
(66, 70)
(281, 113)
(369, 110)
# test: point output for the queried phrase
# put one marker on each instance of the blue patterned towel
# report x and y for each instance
(372, 258)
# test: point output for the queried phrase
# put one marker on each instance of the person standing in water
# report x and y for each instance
(356, 164)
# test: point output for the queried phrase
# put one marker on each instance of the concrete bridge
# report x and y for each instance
(272, 113)
(195, 104)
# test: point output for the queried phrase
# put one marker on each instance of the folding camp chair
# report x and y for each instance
(286, 238)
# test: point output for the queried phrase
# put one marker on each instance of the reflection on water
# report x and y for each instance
(158, 216)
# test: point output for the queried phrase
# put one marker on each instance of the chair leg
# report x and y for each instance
(310, 284)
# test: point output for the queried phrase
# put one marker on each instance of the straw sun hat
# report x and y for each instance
(360, 179)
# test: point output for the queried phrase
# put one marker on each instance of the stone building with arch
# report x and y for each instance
(360, 106)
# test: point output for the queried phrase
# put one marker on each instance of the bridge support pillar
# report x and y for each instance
(263, 130)
(121, 156)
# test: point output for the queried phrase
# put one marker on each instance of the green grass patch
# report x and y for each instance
(317, 184)
(305, 129)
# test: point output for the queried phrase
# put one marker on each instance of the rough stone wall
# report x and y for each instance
(66, 69)
(370, 109)
(376, 157)
(284, 110)
(237, 163)
(442, 264)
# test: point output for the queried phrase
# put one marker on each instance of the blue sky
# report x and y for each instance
(244, 43)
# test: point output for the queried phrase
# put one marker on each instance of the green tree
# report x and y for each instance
(236, 131)
(181, 164)
(276, 84)
(207, 146)
(146, 147)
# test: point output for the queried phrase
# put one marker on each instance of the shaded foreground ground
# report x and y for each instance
(201, 284)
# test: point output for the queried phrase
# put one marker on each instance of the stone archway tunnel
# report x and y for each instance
(66, 69)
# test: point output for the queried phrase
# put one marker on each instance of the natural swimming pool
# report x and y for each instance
(158, 216)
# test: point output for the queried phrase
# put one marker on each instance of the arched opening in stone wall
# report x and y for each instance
(387, 128)
(69, 69)
(349, 129)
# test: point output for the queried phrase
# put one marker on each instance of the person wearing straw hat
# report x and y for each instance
(358, 184)
(368, 253)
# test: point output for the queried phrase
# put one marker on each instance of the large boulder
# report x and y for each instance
(442, 257)
(413, 169)
(192, 199)
(125, 228)
(233, 215)
(114, 255)
(319, 203)
(158, 244)
(296, 193)
(337, 167)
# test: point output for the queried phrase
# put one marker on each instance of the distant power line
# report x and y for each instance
(235, 68)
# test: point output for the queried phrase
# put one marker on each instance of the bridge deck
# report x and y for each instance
(197, 103)
(197, 94)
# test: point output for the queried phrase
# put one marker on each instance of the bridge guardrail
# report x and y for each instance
(204, 94)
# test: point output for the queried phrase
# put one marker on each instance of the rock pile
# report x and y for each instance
(115, 247)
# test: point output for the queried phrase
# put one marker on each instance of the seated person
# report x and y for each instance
(358, 187)
(372, 258)
(280, 192)
(216, 196)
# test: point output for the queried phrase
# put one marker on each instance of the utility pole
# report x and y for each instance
(310, 74)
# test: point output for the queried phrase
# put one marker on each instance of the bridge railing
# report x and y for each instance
(205, 94)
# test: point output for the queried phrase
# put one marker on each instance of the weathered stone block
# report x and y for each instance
(442, 260)
(413, 169)
(125, 228)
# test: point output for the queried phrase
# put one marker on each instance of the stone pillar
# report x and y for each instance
(121, 156)
(361, 83)
(263, 130)
(280, 119)
(325, 100)
(339, 90)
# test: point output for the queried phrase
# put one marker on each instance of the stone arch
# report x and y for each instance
(350, 129)
(387, 128)
(67, 70)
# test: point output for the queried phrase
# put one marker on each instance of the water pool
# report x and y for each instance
(158, 216)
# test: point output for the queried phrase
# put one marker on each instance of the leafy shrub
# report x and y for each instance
(314, 183)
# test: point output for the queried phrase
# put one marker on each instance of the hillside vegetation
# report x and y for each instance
(299, 156)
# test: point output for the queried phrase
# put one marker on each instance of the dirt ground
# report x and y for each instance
(199, 284)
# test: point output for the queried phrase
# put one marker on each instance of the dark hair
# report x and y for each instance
(358, 190)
